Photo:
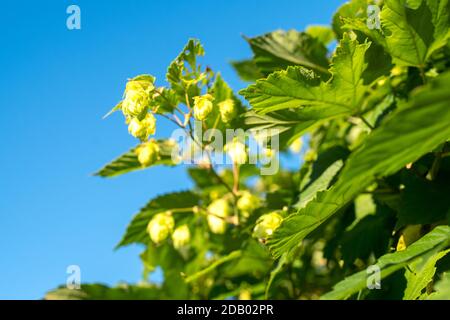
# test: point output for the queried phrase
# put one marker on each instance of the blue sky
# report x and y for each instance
(55, 86)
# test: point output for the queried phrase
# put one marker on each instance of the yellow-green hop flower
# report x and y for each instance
(202, 106)
(218, 210)
(248, 203)
(296, 146)
(137, 97)
(236, 150)
(227, 110)
(142, 129)
(148, 153)
(160, 227)
(181, 236)
(266, 225)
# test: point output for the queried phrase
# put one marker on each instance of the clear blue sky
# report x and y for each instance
(55, 86)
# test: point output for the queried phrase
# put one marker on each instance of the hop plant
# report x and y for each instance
(236, 150)
(202, 106)
(248, 203)
(181, 236)
(218, 210)
(296, 146)
(160, 227)
(144, 128)
(148, 153)
(266, 225)
(227, 110)
(137, 96)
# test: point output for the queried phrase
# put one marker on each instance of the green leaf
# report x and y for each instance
(284, 260)
(229, 257)
(137, 229)
(102, 292)
(321, 32)
(371, 234)
(313, 99)
(129, 162)
(413, 35)
(351, 9)
(254, 261)
(420, 274)
(165, 101)
(442, 289)
(423, 201)
(184, 70)
(288, 125)
(389, 263)
(247, 70)
(403, 138)
(320, 184)
(280, 49)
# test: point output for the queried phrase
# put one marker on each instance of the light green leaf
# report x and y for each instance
(280, 49)
(184, 71)
(284, 260)
(389, 263)
(351, 9)
(137, 229)
(413, 35)
(321, 32)
(299, 88)
(406, 135)
(442, 289)
(129, 162)
(287, 124)
(320, 184)
(420, 274)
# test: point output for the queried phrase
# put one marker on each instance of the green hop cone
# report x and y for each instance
(160, 227)
(236, 150)
(137, 96)
(142, 129)
(296, 146)
(202, 106)
(148, 153)
(181, 237)
(248, 203)
(227, 110)
(266, 225)
(218, 210)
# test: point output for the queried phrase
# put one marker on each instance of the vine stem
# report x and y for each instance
(235, 177)
(210, 167)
